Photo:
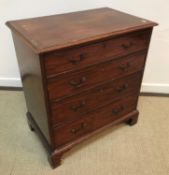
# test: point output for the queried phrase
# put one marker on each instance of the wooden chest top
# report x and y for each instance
(49, 33)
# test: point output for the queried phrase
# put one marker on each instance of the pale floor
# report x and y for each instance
(121, 150)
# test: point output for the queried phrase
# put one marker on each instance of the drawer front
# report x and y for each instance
(97, 119)
(79, 81)
(77, 58)
(75, 107)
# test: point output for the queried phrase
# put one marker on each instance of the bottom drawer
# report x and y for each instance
(72, 131)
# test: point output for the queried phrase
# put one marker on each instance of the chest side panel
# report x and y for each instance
(31, 76)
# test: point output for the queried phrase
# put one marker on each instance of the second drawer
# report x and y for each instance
(77, 82)
(74, 107)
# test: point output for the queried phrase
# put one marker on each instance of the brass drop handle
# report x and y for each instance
(118, 110)
(127, 46)
(76, 61)
(77, 84)
(124, 67)
(79, 129)
(76, 107)
(122, 88)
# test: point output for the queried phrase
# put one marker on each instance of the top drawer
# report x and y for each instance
(79, 57)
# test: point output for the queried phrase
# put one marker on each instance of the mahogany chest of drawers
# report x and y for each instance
(81, 73)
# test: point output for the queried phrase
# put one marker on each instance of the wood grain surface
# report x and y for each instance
(49, 33)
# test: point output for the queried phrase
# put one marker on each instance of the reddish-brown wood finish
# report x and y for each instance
(76, 106)
(94, 120)
(77, 58)
(81, 73)
(79, 81)
(55, 32)
(30, 71)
